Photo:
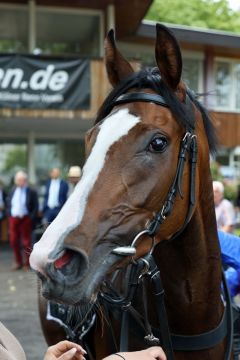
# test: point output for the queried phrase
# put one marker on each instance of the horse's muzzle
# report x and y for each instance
(63, 276)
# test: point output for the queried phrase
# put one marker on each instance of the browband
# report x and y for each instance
(140, 96)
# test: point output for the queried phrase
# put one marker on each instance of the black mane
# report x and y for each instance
(151, 79)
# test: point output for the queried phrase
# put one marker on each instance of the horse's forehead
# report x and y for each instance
(163, 120)
(154, 115)
(147, 113)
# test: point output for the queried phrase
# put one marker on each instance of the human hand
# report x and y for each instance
(152, 353)
(65, 350)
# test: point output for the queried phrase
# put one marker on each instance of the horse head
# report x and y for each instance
(132, 158)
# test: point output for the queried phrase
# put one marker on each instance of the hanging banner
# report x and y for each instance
(41, 82)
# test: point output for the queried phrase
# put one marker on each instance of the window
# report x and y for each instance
(14, 37)
(81, 33)
(192, 74)
(237, 78)
(58, 30)
(235, 160)
(192, 65)
(223, 84)
(227, 85)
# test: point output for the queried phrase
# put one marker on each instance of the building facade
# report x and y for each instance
(47, 132)
(211, 67)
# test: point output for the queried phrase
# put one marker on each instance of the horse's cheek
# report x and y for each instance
(138, 182)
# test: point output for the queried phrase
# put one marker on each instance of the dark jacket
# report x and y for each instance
(4, 195)
(31, 202)
(62, 197)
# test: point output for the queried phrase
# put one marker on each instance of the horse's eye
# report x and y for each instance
(158, 144)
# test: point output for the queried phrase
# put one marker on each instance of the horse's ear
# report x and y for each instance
(168, 57)
(118, 68)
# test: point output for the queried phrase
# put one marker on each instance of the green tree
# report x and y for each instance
(16, 158)
(215, 171)
(211, 14)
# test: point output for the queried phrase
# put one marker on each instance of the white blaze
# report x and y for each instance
(111, 130)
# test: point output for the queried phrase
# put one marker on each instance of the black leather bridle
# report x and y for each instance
(146, 267)
(188, 147)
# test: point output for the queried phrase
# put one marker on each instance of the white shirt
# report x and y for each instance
(19, 202)
(53, 194)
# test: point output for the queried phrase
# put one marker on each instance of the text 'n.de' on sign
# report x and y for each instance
(44, 83)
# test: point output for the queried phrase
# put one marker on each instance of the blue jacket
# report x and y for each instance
(62, 197)
(230, 249)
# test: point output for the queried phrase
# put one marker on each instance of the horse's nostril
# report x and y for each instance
(64, 259)
(71, 264)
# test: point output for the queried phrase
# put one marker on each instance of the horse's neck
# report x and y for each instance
(191, 273)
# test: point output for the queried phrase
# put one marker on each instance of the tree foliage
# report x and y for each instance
(16, 158)
(210, 14)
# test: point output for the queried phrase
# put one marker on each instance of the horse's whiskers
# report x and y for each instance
(102, 317)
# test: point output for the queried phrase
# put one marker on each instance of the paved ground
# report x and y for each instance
(18, 306)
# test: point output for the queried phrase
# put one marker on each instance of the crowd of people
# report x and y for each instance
(21, 207)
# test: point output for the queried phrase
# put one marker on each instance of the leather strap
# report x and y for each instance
(188, 146)
(181, 342)
(140, 96)
(202, 341)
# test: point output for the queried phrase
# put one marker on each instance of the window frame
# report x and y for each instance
(75, 11)
(15, 7)
(199, 56)
(233, 88)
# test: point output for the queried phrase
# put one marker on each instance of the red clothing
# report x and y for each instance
(20, 228)
(20, 232)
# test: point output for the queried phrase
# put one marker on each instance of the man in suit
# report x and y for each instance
(55, 196)
(22, 209)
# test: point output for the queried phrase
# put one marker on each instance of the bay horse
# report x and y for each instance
(145, 196)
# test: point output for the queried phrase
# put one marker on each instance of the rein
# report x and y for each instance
(168, 342)
(140, 272)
